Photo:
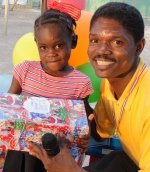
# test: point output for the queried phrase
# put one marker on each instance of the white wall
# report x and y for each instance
(20, 2)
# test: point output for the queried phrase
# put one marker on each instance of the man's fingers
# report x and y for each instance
(35, 150)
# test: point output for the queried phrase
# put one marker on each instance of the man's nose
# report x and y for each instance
(103, 48)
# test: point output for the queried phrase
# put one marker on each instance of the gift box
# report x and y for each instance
(28, 118)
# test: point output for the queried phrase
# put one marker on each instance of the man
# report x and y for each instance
(116, 41)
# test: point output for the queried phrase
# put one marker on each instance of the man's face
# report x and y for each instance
(112, 50)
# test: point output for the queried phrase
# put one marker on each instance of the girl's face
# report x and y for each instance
(54, 45)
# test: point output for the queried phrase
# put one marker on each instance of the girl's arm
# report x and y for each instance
(15, 87)
(88, 108)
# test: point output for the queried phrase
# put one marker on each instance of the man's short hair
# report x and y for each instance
(128, 16)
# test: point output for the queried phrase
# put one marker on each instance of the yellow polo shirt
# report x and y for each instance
(134, 128)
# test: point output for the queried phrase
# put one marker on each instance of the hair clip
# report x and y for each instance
(69, 9)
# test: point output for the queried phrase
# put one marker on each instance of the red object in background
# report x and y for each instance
(78, 3)
(69, 9)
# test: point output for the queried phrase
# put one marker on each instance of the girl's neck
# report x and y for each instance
(61, 73)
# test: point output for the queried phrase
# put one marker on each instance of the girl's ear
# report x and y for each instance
(74, 41)
(140, 46)
(34, 34)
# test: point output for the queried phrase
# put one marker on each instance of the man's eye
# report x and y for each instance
(117, 42)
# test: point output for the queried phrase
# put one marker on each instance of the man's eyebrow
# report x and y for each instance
(90, 33)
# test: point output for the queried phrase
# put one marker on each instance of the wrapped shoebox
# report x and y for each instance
(28, 118)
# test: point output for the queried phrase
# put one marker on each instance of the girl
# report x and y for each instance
(52, 76)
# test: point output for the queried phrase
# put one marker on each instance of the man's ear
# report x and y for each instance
(140, 46)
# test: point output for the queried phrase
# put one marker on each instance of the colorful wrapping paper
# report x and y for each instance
(28, 118)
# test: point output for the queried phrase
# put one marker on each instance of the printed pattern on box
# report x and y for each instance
(28, 118)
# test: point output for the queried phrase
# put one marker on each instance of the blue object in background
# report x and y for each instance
(99, 149)
(5, 81)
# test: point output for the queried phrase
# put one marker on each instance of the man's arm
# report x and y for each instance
(93, 131)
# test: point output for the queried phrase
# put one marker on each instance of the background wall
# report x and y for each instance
(142, 5)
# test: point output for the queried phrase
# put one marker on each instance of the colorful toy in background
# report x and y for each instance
(25, 49)
(89, 71)
(79, 54)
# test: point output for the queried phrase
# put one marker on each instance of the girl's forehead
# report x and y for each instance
(51, 33)
(53, 28)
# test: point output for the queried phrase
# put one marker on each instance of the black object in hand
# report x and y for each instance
(50, 144)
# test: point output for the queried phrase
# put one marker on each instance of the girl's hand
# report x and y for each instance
(2, 159)
(82, 142)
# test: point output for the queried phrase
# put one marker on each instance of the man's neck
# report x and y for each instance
(119, 83)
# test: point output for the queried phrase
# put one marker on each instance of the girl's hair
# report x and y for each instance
(55, 16)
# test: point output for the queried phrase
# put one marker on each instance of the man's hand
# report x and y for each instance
(63, 161)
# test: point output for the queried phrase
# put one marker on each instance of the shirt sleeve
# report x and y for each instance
(87, 89)
(19, 72)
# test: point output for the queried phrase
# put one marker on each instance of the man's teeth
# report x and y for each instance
(100, 62)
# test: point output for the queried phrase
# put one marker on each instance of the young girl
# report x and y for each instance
(50, 77)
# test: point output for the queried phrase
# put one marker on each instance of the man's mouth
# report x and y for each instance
(104, 62)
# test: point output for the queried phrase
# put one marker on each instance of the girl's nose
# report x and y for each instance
(51, 52)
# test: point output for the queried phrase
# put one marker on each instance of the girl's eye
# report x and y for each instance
(93, 40)
(58, 46)
(43, 48)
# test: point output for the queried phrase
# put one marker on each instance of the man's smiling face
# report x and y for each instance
(112, 50)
